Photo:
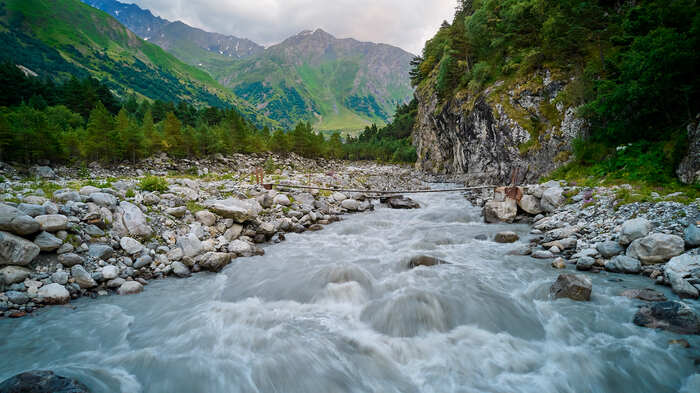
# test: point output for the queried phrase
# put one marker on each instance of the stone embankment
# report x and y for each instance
(590, 230)
(63, 236)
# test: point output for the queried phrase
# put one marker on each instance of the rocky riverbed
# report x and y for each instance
(69, 232)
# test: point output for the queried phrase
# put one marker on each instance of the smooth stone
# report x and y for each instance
(207, 218)
(542, 254)
(82, 277)
(585, 263)
(110, 272)
(350, 204)
(142, 261)
(402, 202)
(100, 251)
(552, 198)
(47, 242)
(31, 210)
(241, 248)
(60, 277)
(70, 259)
(134, 221)
(506, 237)
(239, 210)
(13, 274)
(339, 197)
(692, 236)
(178, 212)
(282, 200)
(15, 250)
(633, 230)
(647, 295)
(191, 245)
(559, 263)
(94, 231)
(425, 260)
(609, 249)
(115, 283)
(180, 270)
(17, 297)
(130, 288)
(41, 381)
(214, 261)
(103, 199)
(500, 211)
(674, 316)
(530, 204)
(130, 245)
(17, 222)
(573, 286)
(54, 294)
(656, 248)
(53, 222)
(623, 264)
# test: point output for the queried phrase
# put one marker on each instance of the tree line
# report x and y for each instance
(82, 120)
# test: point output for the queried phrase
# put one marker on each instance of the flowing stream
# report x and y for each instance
(339, 311)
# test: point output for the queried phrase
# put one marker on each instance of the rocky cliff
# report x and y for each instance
(522, 128)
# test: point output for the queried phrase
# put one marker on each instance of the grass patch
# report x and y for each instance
(153, 184)
(194, 207)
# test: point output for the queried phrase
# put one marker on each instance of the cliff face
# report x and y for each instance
(487, 138)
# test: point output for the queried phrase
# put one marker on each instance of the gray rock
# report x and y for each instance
(239, 210)
(207, 218)
(542, 254)
(656, 248)
(70, 259)
(130, 245)
(54, 294)
(505, 211)
(115, 283)
(241, 248)
(66, 196)
(60, 277)
(679, 270)
(110, 272)
(13, 274)
(132, 219)
(17, 297)
(31, 210)
(401, 202)
(215, 261)
(53, 222)
(103, 199)
(150, 199)
(350, 205)
(282, 200)
(180, 270)
(647, 295)
(552, 198)
(692, 236)
(233, 233)
(41, 382)
(623, 264)
(191, 245)
(100, 251)
(15, 250)
(506, 237)
(530, 204)
(689, 169)
(15, 221)
(94, 231)
(47, 242)
(44, 172)
(585, 263)
(609, 249)
(142, 261)
(425, 260)
(87, 190)
(266, 200)
(178, 212)
(633, 230)
(676, 317)
(130, 288)
(339, 197)
(684, 289)
(573, 286)
(82, 277)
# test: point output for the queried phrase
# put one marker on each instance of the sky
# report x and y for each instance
(403, 23)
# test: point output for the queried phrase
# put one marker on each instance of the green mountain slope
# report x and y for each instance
(67, 37)
(339, 84)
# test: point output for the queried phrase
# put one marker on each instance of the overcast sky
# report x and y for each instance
(403, 23)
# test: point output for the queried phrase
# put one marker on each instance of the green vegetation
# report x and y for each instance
(633, 66)
(153, 184)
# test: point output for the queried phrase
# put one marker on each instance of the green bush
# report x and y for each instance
(154, 183)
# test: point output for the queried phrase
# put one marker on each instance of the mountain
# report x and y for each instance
(60, 38)
(339, 84)
(191, 45)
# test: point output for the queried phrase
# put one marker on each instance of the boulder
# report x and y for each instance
(31, 210)
(552, 198)
(401, 202)
(41, 382)
(207, 218)
(180, 270)
(110, 272)
(142, 261)
(60, 277)
(266, 200)
(530, 204)
(673, 316)
(623, 264)
(15, 250)
(656, 248)
(64, 196)
(82, 277)
(573, 286)
(53, 222)
(633, 230)
(130, 245)
(241, 248)
(215, 261)
(44, 172)
(692, 236)
(282, 200)
(47, 242)
(424, 260)
(350, 204)
(339, 197)
(177, 212)
(191, 245)
(54, 294)
(70, 259)
(239, 210)
(130, 288)
(609, 249)
(647, 295)
(542, 254)
(506, 237)
(17, 297)
(585, 263)
(559, 263)
(233, 233)
(13, 274)
(103, 199)
(679, 270)
(132, 219)
(505, 211)
(100, 251)
(15, 221)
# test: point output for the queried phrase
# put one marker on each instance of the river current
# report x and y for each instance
(340, 311)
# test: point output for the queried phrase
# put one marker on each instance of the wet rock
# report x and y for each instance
(623, 264)
(505, 211)
(17, 222)
(680, 342)
(100, 251)
(633, 230)
(530, 204)
(241, 248)
(130, 245)
(542, 254)
(647, 295)
(132, 219)
(656, 248)
(214, 261)
(506, 237)
(559, 263)
(17, 297)
(41, 382)
(53, 222)
(573, 286)
(115, 283)
(207, 218)
(47, 242)
(82, 277)
(692, 236)
(70, 259)
(239, 210)
(401, 202)
(180, 270)
(609, 249)
(54, 294)
(673, 316)
(684, 289)
(425, 260)
(130, 288)
(15, 250)
(13, 274)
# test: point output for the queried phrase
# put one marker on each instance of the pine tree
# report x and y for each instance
(148, 132)
(100, 126)
(6, 140)
(172, 134)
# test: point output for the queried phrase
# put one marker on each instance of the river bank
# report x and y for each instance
(65, 235)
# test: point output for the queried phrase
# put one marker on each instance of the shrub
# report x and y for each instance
(154, 183)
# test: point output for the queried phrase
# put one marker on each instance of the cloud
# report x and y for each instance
(403, 23)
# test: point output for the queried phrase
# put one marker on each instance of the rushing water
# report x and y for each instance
(339, 311)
